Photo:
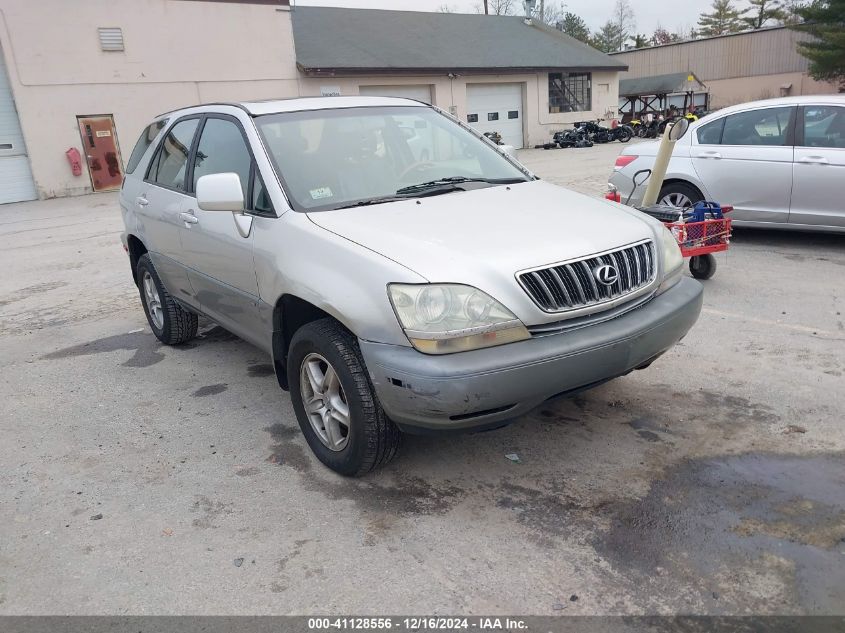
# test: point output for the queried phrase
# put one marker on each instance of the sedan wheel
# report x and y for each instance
(676, 200)
(325, 402)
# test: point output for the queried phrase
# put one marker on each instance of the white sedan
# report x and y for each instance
(779, 162)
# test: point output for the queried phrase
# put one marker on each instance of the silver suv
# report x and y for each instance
(432, 287)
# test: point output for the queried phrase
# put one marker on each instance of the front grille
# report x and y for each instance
(573, 285)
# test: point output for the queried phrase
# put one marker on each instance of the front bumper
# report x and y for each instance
(485, 387)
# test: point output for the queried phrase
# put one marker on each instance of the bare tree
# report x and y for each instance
(445, 8)
(550, 12)
(496, 7)
(625, 20)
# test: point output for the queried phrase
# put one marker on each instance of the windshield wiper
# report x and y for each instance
(450, 181)
(371, 201)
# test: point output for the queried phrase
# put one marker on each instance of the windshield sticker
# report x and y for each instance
(322, 192)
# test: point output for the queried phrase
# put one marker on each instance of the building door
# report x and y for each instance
(16, 182)
(496, 108)
(420, 92)
(99, 145)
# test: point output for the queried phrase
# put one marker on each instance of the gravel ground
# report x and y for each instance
(135, 477)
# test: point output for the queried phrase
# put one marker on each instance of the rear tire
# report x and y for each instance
(679, 195)
(335, 403)
(625, 135)
(170, 322)
(702, 266)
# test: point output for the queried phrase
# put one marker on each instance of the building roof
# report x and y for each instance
(333, 40)
(673, 83)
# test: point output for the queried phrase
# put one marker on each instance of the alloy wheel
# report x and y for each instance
(676, 200)
(153, 300)
(324, 401)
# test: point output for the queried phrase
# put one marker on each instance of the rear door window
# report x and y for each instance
(171, 164)
(766, 126)
(824, 126)
(144, 141)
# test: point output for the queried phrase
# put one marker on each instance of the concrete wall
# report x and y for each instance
(177, 53)
(539, 123)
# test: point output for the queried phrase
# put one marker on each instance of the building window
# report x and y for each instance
(513, 114)
(111, 39)
(492, 116)
(472, 118)
(570, 92)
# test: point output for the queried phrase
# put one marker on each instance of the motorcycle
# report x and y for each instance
(576, 137)
(495, 137)
(600, 134)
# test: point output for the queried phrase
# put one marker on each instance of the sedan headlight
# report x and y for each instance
(673, 261)
(446, 318)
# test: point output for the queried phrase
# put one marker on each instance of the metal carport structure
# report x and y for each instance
(642, 93)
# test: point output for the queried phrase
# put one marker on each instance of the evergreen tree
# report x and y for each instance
(723, 19)
(609, 38)
(574, 26)
(762, 11)
(640, 41)
(825, 20)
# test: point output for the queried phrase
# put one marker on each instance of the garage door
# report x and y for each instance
(15, 176)
(420, 92)
(496, 108)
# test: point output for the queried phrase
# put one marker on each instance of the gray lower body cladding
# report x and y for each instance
(477, 389)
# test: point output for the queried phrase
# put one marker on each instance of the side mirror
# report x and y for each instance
(220, 192)
(510, 150)
(679, 128)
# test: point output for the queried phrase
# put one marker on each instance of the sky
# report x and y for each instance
(682, 14)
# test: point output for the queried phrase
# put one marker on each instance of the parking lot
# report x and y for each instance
(140, 479)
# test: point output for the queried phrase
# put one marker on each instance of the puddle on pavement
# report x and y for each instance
(780, 517)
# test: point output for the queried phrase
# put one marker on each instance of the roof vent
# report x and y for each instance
(111, 38)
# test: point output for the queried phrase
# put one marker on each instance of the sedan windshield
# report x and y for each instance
(342, 158)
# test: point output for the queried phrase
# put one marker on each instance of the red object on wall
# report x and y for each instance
(75, 160)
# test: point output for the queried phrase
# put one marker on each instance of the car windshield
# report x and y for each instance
(329, 159)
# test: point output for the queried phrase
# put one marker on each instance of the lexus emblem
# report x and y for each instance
(606, 274)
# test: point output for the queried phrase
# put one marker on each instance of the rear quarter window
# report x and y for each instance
(144, 141)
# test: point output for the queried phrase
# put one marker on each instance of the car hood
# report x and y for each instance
(475, 237)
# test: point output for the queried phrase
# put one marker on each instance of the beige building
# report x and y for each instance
(86, 77)
(735, 68)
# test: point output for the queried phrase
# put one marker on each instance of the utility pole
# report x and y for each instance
(542, 13)
(486, 8)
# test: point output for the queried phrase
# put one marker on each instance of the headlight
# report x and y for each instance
(446, 318)
(673, 261)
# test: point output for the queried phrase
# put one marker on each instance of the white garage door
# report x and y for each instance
(15, 176)
(420, 92)
(496, 108)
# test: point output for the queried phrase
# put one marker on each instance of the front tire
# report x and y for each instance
(335, 404)
(170, 322)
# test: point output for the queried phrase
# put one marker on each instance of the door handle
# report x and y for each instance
(141, 201)
(189, 218)
(814, 160)
(710, 155)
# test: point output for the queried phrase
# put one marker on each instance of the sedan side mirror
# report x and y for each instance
(220, 192)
